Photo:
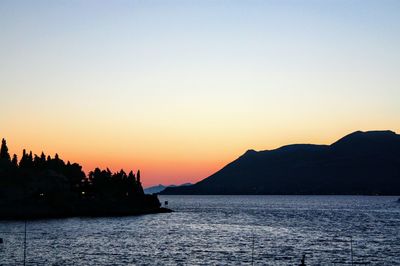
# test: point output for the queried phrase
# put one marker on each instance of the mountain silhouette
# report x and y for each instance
(366, 163)
(160, 187)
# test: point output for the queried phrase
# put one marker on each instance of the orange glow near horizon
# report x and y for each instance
(154, 170)
(158, 166)
(178, 89)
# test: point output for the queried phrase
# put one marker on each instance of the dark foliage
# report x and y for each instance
(4, 150)
(40, 186)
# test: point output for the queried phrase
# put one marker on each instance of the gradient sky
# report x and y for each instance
(180, 88)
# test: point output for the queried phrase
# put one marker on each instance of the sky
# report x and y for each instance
(178, 89)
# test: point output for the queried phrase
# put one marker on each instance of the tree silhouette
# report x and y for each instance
(14, 160)
(24, 159)
(139, 187)
(36, 161)
(30, 158)
(45, 186)
(4, 151)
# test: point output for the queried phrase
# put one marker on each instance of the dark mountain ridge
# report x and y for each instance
(365, 163)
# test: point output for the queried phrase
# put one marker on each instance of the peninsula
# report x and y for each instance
(39, 186)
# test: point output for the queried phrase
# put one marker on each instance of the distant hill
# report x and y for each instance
(154, 189)
(365, 163)
(159, 188)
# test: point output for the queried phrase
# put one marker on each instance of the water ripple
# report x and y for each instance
(219, 230)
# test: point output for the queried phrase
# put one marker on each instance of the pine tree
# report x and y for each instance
(139, 184)
(131, 175)
(138, 176)
(30, 159)
(22, 162)
(4, 151)
(14, 160)
(42, 160)
(43, 157)
(26, 160)
(36, 161)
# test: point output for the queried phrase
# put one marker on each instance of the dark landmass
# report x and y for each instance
(45, 187)
(362, 163)
(160, 187)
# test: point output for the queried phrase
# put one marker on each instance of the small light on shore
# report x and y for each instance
(83, 192)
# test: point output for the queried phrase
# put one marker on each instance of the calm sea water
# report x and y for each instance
(219, 230)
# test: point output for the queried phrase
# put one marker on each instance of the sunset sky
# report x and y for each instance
(178, 89)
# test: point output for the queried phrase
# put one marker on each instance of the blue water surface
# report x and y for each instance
(219, 230)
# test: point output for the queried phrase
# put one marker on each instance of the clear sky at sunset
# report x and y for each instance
(178, 89)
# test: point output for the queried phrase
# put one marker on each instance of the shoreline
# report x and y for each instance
(49, 216)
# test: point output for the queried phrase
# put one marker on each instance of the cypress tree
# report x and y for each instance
(4, 151)
(22, 162)
(139, 184)
(43, 157)
(14, 160)
(138, 176)
(30, 159)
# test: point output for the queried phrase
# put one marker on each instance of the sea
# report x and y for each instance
(218, 230)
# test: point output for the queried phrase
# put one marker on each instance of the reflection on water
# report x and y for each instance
(219, 230)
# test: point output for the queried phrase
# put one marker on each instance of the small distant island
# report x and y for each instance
(361, 163)
(160, 187)
(39, 186)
